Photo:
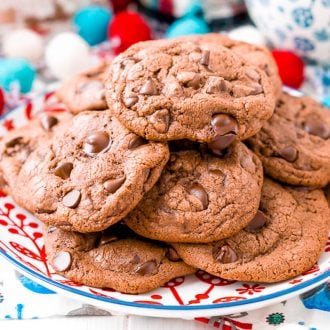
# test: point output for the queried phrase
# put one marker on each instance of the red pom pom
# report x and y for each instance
(290, 67)
(119, 5)
(2, 102)
(128, 28)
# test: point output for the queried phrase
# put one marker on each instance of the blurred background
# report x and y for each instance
(44, 41)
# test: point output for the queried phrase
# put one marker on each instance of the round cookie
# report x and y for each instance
(84, 91)
(294, 144)
(285, 239)
(254, 54)
(92, 174)
(113, 259)
(18, 144)
(188, 89)
(200, 197)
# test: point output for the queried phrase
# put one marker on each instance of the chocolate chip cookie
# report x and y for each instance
(285, 238)
(84, 91)
(17, 145)
(113, 259)
(91, 175)
(200, 197)
(188, 89)
(254, 54)
(294, 145)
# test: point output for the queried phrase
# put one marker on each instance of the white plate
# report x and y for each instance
(21, 243)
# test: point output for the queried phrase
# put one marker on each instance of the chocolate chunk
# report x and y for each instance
(223, 124)
(220, 143)
(136, 259)
(149, 267)
(47, 122)
(172, 255)
(106, 239)
(253, 74)
(160, 120)
(96, 143)
(226, 255)
(257, 222)
(130, 100)
(195, 82)
(72, 199)
(62, 261)
(136, 142)
(316, 127)
(13, 142)
(64, 170)
(289, 153)
(113, 185)
(199, 192)
(51, 229)
(149, 88)
(205, 59)
(216, 85)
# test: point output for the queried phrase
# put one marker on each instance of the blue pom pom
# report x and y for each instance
(16, 70)
(92, 24)
(187, 25)
(326, 101)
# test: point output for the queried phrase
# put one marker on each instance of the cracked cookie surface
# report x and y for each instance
(173, 89)
(200, 197)
(91, 175)
(18, 144)
(84, 91)
(294, 144)
(285, 239)
(114, 259)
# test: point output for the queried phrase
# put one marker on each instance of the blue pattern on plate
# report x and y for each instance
(303, 17)
(33, 286)
(303, 44)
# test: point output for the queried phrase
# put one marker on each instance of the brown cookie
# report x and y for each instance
(254, 54)
(188, 89)
(285, 238)
(91, 175)
(113, 259)
(294, 144)
(200, 197)
(84, 91)
(17, 145)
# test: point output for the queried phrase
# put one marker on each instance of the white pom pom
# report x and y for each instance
(67, 54)
(23, 43)
(248, 33)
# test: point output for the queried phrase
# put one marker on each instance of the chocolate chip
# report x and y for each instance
(136, 259)
(96, 142)
(113, 185)
(172, 255)
(257, 222)
(226, 255)
(72, 199)
(253, 74)
(106, 239)
(47, 122)
(199, 192)
(316, 127)
(220, 143)
(130, 100)
(13, 142)
(205, 59)
(136, 142)
(51, 229)
(149, 88)
(62, 261)
(216, 85)
(64, 170)
(195, 82)
(147, 268)
(289, 153)
(223, 124)
(160, 120)
(256, 89)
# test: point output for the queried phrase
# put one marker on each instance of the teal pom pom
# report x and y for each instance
(186, 26)
(92, 23)
(16, 70)
(326, 101)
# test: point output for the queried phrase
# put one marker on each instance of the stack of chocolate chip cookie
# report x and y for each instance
(181, 154)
